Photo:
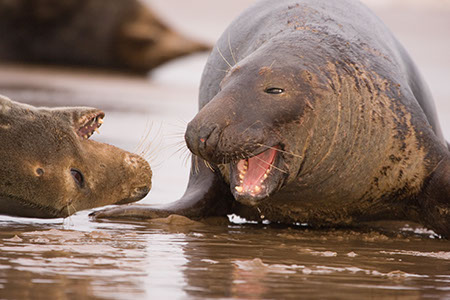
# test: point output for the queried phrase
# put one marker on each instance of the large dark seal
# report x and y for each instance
(311, 111)
(121, 34)
(49, 168)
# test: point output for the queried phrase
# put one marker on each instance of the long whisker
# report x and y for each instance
(271, 165)
(231, 50)
(69, 217)
(280, 150)
(208, 165)
(187, 155)
(262, 160)
(220, 70)
(223, 57)
(148, 150)
(195, 168)
(148, 128)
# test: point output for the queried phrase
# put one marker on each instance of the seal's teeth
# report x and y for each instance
(96, 130)
(241, 176)
(265, 176)
(100, 121)
(85, 136)
(239, 189)
(257, 189)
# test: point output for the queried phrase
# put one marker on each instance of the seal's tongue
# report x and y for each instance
(253, 171)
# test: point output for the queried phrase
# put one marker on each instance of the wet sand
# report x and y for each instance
(77, 257)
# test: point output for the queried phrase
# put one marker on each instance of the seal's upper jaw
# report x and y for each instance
(88, 124)
(257, 177)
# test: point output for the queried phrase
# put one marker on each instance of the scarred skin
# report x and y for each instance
(327, 86)
(119, 34)
(50, 169)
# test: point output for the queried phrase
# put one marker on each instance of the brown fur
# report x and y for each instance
(40, 147)
(121, 34)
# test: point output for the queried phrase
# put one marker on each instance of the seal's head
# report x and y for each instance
(49, 168)
(251, 128)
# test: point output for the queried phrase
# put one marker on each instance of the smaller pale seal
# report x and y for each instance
(49, 168)
(120, 34)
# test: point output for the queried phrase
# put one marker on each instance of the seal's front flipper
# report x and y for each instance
(207, 195)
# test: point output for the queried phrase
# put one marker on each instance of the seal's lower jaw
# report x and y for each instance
(256, 178)
(138, 194)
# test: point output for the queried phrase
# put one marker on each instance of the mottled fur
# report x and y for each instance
(39, 150)
(356, 124)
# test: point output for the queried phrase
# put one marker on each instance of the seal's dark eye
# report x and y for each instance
(77, 177)
(274, 91)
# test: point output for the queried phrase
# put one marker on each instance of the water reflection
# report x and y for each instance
(178, 259)
(165, 279)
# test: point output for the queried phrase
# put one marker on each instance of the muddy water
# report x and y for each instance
(182, 259)
(179, 259)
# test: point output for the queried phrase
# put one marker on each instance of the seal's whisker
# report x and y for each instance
(153, 146)
(248, 153)
(220, 52)
(195, 169)
(220, 70)
(250, 126)
(148, 128)
(175, 143)
(156, 165)
(271, 165)
(186, 157)
(231, 50)
(184, 122)
(181, 149)
(175, 135)
(74, 209)
(208, 165)
(271, 65)
(144, 138)
(280, 150)
(179, 125)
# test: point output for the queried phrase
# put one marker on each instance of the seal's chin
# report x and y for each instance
(136, 195)
(257, 177)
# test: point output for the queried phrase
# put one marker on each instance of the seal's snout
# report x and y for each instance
(202, 139)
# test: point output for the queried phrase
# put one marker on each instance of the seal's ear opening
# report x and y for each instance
(85, 120)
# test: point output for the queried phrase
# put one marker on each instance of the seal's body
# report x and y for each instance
(49, 168)
(321, 117)
(121, 34)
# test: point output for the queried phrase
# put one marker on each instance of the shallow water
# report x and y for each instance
(177, 258)
(183, 259)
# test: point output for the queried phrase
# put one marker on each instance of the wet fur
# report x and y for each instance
(40, 146)
(357, 116)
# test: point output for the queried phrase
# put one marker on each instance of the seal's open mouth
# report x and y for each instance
(91, 123)
(257, 177)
